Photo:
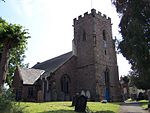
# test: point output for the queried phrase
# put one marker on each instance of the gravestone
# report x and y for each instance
(74, 99)
(67, 97)
(87, 94)
(83, 93)
(80, 105)
(140, 96)
(61, 96)
(40, 96)
(54, 95)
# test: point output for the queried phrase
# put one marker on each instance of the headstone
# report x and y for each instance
(88, 94)
(83, 93)
(81, 104)
(48, 96)
(54, 95)
(40, 96)
(104, 101)
(140, 96)
(61, 96)
(67, 97)
(74, 99)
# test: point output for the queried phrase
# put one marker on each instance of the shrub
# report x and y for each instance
(7, 103)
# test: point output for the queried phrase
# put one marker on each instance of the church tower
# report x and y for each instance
(97, 70)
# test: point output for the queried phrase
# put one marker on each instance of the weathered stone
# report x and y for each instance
(91, 66)
(80, 105)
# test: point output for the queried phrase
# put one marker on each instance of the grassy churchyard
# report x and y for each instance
(65, 107)
(144, 103)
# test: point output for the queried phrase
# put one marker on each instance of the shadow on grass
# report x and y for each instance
(71, 111)
(134, 103)
(143, 102)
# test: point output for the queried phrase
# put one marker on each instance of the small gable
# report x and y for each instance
(29, 76)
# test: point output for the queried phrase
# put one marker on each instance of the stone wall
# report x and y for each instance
(95, 54)
(105, 58)
(68, 68)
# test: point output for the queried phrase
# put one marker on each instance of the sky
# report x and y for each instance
(50, 25)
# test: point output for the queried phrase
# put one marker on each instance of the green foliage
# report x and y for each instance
(125, 79)
(7, 105)
(14, 33)
(16, 36)
(141, 82)
(16, 58)
(5, 102)
(135, 31)
(3, 0)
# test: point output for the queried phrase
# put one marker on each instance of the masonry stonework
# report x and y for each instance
(95, 51)
(90, 69)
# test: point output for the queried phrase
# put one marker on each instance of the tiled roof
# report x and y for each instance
(29, 76)
(52, 64)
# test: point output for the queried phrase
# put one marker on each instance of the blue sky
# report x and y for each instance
(50, 25)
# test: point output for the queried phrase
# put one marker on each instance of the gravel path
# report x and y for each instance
(132, 108)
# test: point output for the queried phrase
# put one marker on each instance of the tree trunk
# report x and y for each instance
(4, 63)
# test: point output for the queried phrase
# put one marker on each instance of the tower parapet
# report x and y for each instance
(95, 56)
(93, 13)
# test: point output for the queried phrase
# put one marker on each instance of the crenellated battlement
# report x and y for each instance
(93, 13)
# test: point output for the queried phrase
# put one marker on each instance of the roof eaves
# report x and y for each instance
(39, 76)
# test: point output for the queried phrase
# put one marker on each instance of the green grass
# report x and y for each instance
(144, 103)
(65, 107)
(103, 107)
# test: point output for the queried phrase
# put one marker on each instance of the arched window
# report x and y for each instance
(106, 73)
(104, 35)
(65, 82)
(105, 52)
(84, 35)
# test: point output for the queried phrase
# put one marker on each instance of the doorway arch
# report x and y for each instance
(107, 84)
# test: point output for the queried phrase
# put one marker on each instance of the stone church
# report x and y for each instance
(89, 69)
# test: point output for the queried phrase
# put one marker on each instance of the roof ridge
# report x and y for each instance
(52, 58)
(20, 68)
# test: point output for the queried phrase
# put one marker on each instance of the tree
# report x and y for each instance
(3, 0)
(125, 79)
(12, 37)
(16, 58)
(135, 43)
